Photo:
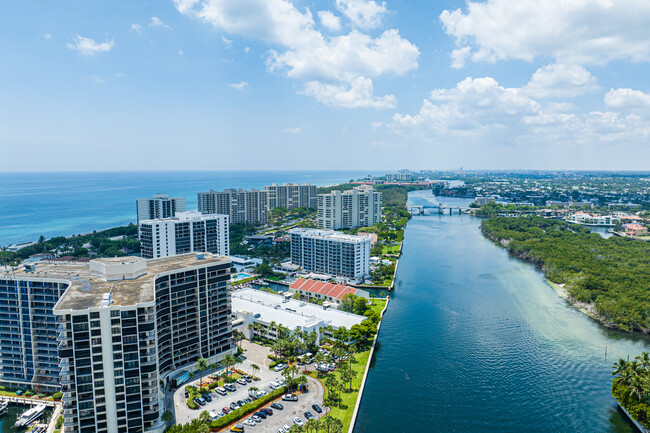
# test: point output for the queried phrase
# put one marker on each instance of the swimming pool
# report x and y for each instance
(239, 276)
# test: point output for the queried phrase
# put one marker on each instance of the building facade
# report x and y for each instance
(330, 252)
(482, 201)
(159, 206)
(358, 207)
(28, 331)
(120, 338)
(243, 207)
(291, 196)
(187, 232)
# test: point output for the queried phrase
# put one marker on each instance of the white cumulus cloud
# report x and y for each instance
(553, 81)
(291, 130)
(573, 32)
(627, 99)
(329, 20)
(340, 65)
(359, 94)
(365, 14)
(239, 86)
(88, 46)
(157, 22)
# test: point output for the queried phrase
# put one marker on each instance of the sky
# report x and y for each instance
(324, 85)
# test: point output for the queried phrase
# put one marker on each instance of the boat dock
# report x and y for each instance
(28, 401)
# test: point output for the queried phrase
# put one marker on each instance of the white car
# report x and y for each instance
(250, 422)
(290, 397)
(242, 382)
(286, 429)
(298, 421)
(280, 367)
(256, 418)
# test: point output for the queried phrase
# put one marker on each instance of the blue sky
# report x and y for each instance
(339, 84)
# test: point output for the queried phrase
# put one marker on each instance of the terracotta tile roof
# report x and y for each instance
(323, 288)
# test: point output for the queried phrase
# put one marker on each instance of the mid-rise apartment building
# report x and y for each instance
(159, 206)
(291, 196)
(358, 207)
(249, 207)
(186, 232)
(330, 252)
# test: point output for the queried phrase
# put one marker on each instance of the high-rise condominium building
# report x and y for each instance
(28, 330)
(241, 206)
(186, 232)
(330, 252)
(358, 207)
(124, 325)
(291, 195)
(160, 206)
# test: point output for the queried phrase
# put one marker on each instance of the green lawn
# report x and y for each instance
(378, 305)
(393, 249)
(349, 399)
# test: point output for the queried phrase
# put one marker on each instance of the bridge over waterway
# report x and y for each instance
(440, 207)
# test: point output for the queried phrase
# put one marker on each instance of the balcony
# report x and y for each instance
(69, 397)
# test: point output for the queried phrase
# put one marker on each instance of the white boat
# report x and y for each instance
(30, 415)
(3, 407)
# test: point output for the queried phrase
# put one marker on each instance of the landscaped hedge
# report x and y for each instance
(191, 404)
(57, 395)
(247, 408)
(274, 363)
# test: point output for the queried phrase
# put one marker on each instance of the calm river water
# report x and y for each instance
(476, 341)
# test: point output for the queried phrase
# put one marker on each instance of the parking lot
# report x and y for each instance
(255, 354)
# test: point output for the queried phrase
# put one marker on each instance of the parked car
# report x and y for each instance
(260, 414)
(248, 400)
(207, 397)
(317, 408)
(256, 418)
(309, 415)
(247, 378)
(220, 414)
(230, 387)
(242, 382)
(240, 403)
(274, 385)
(286, 428)
(237, 428)
(250, 422)
(277, 406)
(187, 394)
(213, 416)
(226, 410)
(280, 367)
(199, 401)
(290, 397)
(234, 406)
(298, 421)
(267, 411)
(221, 391)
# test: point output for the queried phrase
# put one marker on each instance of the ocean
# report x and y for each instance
(67, 203)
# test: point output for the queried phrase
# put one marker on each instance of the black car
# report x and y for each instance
(260, 414)
(309, 415)
(317, 408)
(267, 411)
(241, 402)
(207, 397)
(187, 394)
(277, 406)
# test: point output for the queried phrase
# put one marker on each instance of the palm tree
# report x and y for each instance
(201, 365)
(213, 367)
(312, 425)
(228, 361)
(204, 416)
(252, 388)
(619, 367)
(302, 379)
(644, 359)
(255, 368)
(330, 383)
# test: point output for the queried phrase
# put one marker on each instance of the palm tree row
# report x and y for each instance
(631, 386)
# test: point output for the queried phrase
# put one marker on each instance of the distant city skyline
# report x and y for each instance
(312, 84)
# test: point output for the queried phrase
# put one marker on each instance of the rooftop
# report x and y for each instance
(129, 279)
(292, 313)
(323, 288)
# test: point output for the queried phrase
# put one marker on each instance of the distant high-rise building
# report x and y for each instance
(186, 232)
(126, 325)
(358, 207)
(330, 252)
(291, 196)
(249, 207)
(160, 206)
(405, 177)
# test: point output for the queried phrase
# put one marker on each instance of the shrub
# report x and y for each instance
(59, 422)
(57, 395)
(29, 392)
(213, 385)
(273, 364)
(191, 404)
(247, 408)
(41, 395)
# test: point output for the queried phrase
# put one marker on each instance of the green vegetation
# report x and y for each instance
(247, 408)
(612, 275)
(631, 386)
(98, 243)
